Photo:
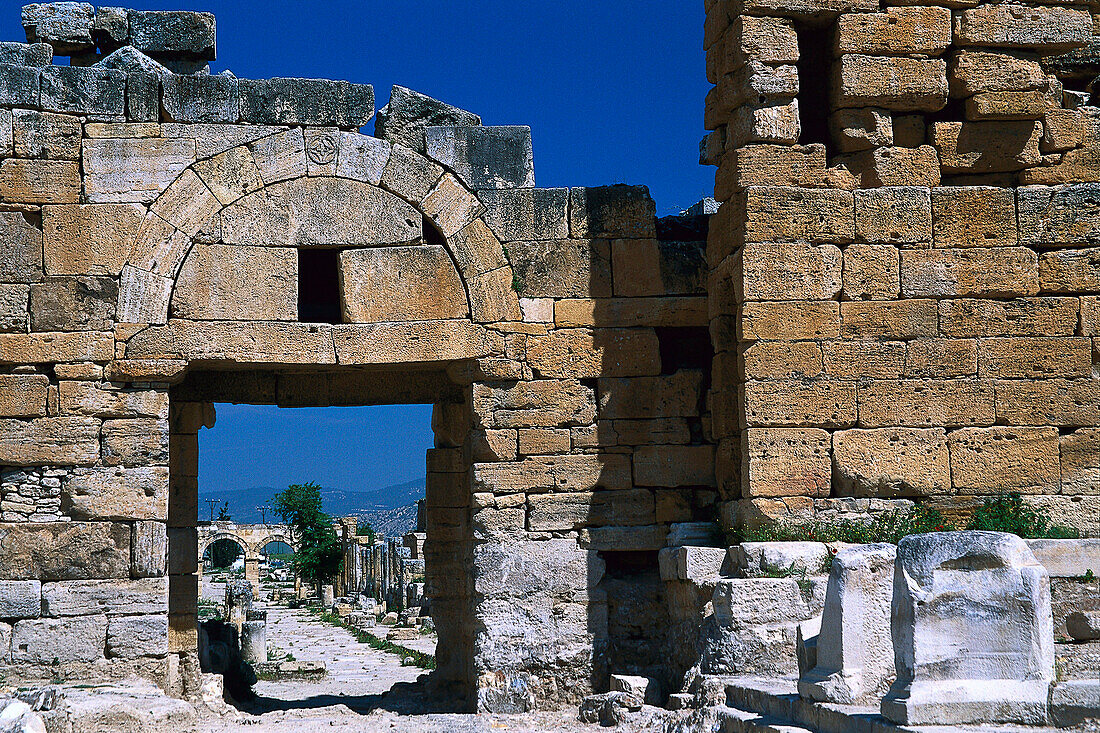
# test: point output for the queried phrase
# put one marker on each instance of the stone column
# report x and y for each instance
(254, 642)
(327, 596)
(252, 574)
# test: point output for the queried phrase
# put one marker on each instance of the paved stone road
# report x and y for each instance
(353, 696)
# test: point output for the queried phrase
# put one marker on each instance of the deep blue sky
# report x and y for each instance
(353, 448)
(613, 92)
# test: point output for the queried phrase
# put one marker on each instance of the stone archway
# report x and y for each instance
(178, 217)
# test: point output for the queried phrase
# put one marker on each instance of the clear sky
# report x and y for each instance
(613, 92)
(352, 448)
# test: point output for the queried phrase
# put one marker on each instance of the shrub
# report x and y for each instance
(886, 527)
(1008, 513)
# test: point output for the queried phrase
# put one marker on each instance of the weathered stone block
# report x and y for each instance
(966, 318)
(199, 98)
(785, 214)
(898, 84)
(926, 403)
(996, 460)
(50, 640)
(26, 54)
(583, 353)
(14, 300)
(1005, 672)
(1028, 105)
(1059, 216)
(1014, 358)
(1062, 402)
(900, 319)
(117, 493)
(891, 462)
(986, 147)
(769, 40)
(973, 72)
(790, 321)
(672, 466)
(786, 462)
(411, 342)
(871, 272)
(72, 303)
(308, 211)
(675, 395)
(135, 442)
(20, 86)
(113, 597)
(20, 599)
(90, 239)
(861, 129)
(1070, 271)
(614, 212)
(59, 441)
(562, 268)
(149, 550)
(306, 102)
(83, 89)
(400, 284)
(130, 637)
(21, 256)
(484, 157)
(104, 400)
(174, 34)
(23, 395)
(408, 112)
(854, 647)
(133, 170)
(40, 181)
(219, 282)
(64, 551)
(893, 215)
(34, 348)
(45, 135)
(895, 166)
(67, 26)
(901, 31)
(793, 271)
(527, 213)
(943, 273)
(973, 216)
(1045, 29)
(941, 358)
(763, 123)
(1080, 461)
(782, 360)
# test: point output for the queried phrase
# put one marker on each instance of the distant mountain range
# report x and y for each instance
(390, 510)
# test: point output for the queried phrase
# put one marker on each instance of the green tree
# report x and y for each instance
(320, 556)
(365, 530)
(223, 513)
(223, 553)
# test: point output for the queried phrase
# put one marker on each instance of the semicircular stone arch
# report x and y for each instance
(245, 547)
(296, 188)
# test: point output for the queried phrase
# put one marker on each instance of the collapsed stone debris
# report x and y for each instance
(891, 302)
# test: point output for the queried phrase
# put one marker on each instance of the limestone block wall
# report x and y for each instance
(904, 269)
(174, 239)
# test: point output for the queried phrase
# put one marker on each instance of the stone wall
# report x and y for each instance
(904, 272)
(175, 239)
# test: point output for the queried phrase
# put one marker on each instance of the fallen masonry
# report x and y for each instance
(891, 304)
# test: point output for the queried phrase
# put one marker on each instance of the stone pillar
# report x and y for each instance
(252, 574)
(254, 642)
(238, 601)
(327, 596)
(972, 630)
(855, 656)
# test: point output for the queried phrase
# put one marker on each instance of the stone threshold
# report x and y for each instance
(757, 705)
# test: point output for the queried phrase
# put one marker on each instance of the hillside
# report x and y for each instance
(391, 510)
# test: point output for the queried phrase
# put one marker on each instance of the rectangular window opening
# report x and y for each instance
(815, 64)
(319, 286)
